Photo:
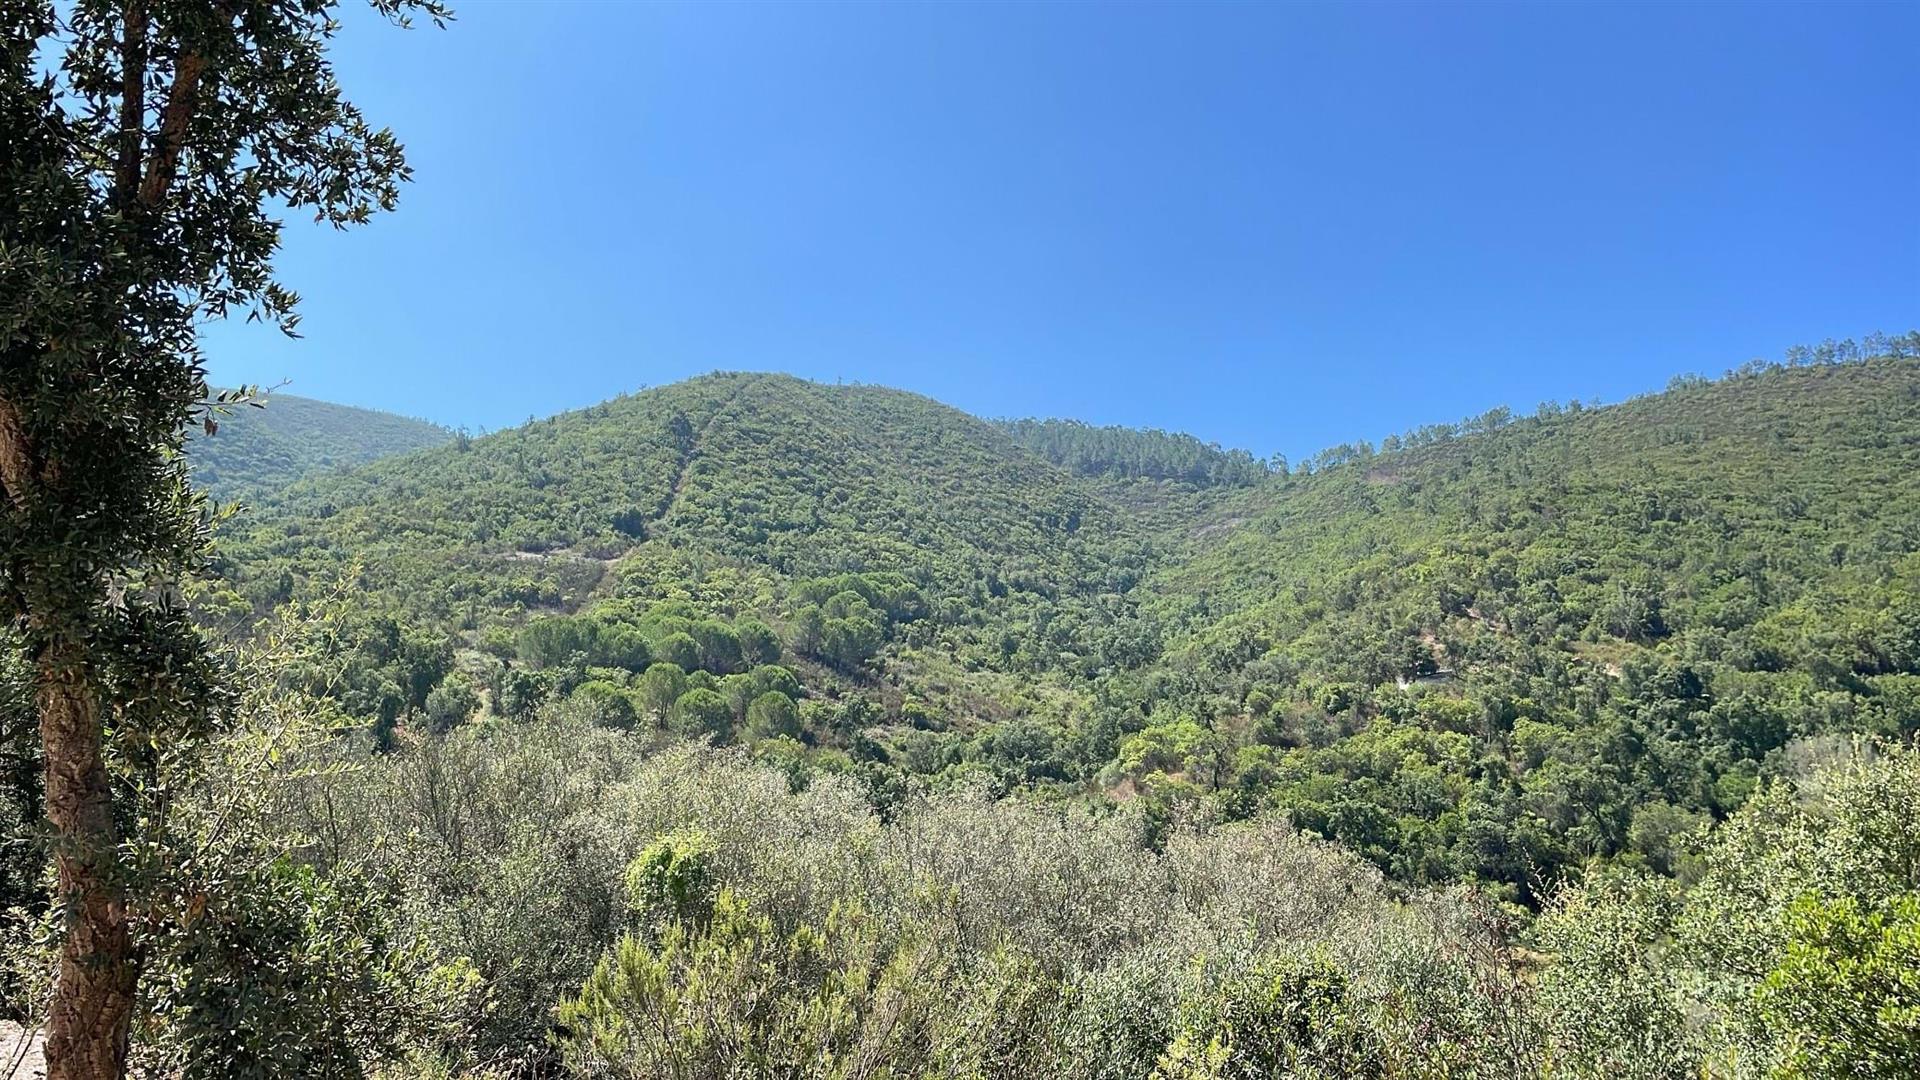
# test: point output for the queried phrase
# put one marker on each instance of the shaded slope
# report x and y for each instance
(292, 437)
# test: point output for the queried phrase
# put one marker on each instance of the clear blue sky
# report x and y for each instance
(1277, 227)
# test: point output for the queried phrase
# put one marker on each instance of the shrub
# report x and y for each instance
(672, 881)
(1291, 1017)
(602, 703)
(772, 716)
(702, 712)
(678, 649)
(1844, 1000)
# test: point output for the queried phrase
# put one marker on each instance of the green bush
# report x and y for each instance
(1281, 1018)
(658, 688)
(1791, 953)
(672, 881)
(773, 715)
(702, 713)
(1844, 1000)
(603, 703)
(451, 703)
(736, 998)
(678, 649)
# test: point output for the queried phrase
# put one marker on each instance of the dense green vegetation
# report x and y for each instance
(869, 533)
(1504, 650)
(750, 728)
(1131, 453)
(283, 438)
(1483, 652)
(554, 895)
(753, 727)
(151, 155)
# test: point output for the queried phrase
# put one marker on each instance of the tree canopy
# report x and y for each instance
(148, 149)
(1482, 652)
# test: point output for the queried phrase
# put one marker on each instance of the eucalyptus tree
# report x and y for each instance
(148, 150)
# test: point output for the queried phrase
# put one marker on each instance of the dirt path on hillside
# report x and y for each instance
(693, 451)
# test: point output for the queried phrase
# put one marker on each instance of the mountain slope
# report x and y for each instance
(793, 477)
(1160, 479)
(885, 538)
(291, 437)
(1702, 506)
(1515, 646)
(1135, 454)
(1488, 652)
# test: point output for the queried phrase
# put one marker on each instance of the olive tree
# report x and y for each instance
(147, 149)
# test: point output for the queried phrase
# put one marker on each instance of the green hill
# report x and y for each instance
(1506, 647)
(290, 437)
(770, 473)
(1160, 479)
(1487, 651)
(912, 560)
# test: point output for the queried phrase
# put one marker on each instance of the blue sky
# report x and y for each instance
(1278, 227)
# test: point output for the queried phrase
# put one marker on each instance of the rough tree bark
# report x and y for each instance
(88, 1021)
(91, 1010)
(92, 1005)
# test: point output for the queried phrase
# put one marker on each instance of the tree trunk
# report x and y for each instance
(93, 995)
(93, 992)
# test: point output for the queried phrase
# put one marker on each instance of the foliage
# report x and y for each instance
(732, 997)
(1487, 651)
(1845, 997)
(702, 713)
(1069, 751)
(772, 716)
(1602, 646)
(1131, 453)
(253, 961)
(962, 936)
(286, 437)
(1792, 954)
(148, 150)
(694, 909)
(1280, 1019)
(1497, 650)
(670, 881)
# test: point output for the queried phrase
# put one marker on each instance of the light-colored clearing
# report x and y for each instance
(20, 1057)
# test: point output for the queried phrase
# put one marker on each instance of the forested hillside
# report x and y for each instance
(1131, 453)
(753, 728)
(893, 550)
(1488, 651)
(1501, 649)
(755, 720)
(285, 437)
